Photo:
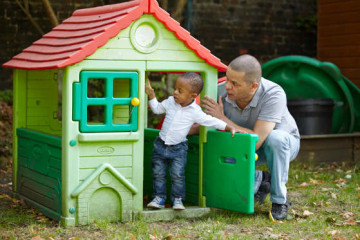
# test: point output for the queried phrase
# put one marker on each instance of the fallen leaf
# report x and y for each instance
(168, 237)
(313, 181)
(333, 232)
(347, 214)
(333, 195)
(4, 196)
(356, 237)
(350, 222)
(340, 180)
(318, 203)
(132, 237)
(339, 238)
(307, 213)
(304, 184)
(37, 238)
(273, 220)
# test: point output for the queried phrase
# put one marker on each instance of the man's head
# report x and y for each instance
(187, 87)
(242, 79)
(249, 65)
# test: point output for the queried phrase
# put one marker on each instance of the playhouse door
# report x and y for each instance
(229, 169)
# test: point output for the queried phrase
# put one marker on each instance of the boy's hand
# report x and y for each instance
(233, 130)
(149, 90)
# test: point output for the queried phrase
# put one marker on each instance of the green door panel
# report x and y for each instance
(229, 169)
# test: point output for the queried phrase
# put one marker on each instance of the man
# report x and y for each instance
(253, 104)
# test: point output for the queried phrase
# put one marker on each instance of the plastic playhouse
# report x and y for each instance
(82, 154)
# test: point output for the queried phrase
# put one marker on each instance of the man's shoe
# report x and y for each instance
(279, 211)
(157, 203)
(264, 188)
(178, 205)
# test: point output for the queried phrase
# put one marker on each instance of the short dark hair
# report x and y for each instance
(195, 80)
(248, 65)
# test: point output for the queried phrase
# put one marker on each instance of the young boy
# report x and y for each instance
(170, 147)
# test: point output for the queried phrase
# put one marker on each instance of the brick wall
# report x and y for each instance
(17, 32)
(263, 28)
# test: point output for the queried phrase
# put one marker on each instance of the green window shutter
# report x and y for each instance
(102, 101)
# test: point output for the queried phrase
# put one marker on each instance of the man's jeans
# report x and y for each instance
(278, 150)
(163, 155)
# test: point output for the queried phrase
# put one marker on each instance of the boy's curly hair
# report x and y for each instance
(195, 80)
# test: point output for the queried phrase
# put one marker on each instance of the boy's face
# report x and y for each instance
(183, 93)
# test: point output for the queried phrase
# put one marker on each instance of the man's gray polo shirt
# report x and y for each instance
(269, 104)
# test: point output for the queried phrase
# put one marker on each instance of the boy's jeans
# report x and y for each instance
(163, 155)
(278, 150)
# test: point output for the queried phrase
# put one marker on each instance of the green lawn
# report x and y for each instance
(325, 205)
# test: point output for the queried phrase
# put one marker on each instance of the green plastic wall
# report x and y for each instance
(39, 171)
(42, 94)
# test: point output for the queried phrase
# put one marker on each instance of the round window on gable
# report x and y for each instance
(145, 37)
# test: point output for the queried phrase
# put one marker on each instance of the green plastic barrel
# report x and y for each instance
(307, 78)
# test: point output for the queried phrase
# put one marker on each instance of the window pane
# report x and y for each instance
(121, 114)
(96, 88)
(95, 114)
(121, 88)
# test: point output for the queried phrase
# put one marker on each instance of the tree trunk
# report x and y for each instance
(50, 12)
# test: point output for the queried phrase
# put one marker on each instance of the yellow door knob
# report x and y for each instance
(256, 156)
(135, 101)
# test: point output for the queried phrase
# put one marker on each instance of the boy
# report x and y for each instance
(170, 147)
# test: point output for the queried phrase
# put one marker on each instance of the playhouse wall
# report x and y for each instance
(84, 153)
(42, 98)
(169, 48)
(35, 107)
(39, 171)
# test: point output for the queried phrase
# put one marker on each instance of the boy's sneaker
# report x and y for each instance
(157, 203)
(178, 205)
(279, 211)
(264, 188)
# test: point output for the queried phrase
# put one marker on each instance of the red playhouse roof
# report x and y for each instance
(88, 29)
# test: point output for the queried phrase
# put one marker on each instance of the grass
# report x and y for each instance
(325, 205)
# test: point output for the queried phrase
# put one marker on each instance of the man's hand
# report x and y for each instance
(213, 108)
(149, 90)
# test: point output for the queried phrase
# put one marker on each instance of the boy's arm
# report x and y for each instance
(156, 107)
(149, 90)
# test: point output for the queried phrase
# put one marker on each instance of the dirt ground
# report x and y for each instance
(5, 135)
(5, 148)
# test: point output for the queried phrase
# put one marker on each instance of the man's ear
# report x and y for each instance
(254, 85)
(194, 95)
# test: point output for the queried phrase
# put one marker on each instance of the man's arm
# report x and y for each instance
(262, 129)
